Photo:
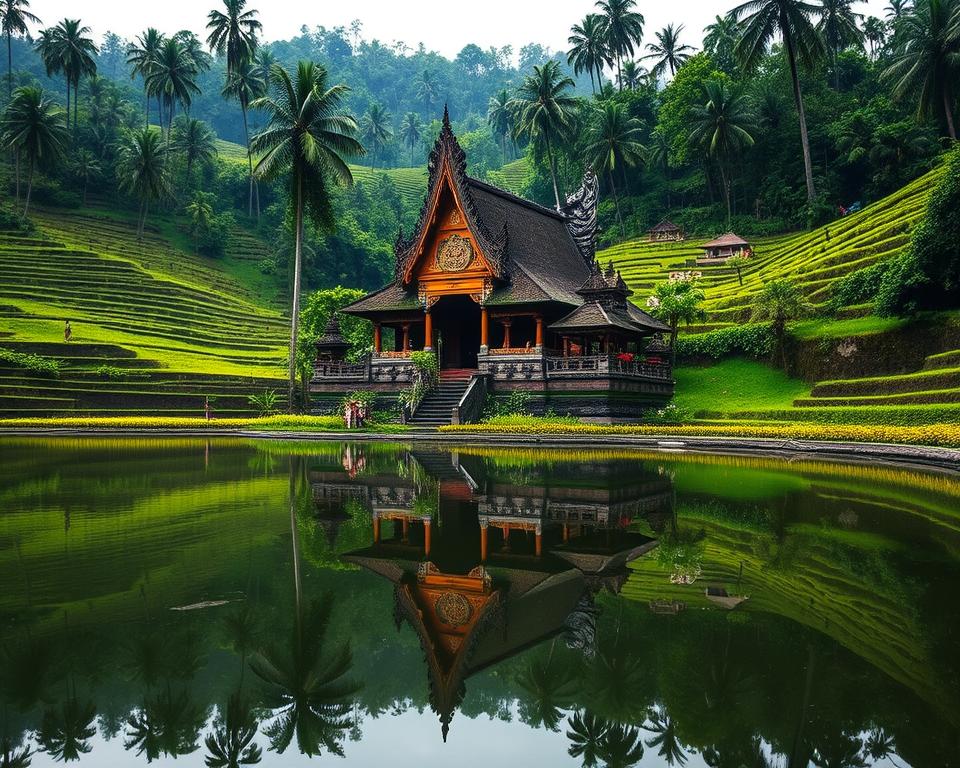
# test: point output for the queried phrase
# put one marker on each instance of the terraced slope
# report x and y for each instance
(165, 329)
(815, 259)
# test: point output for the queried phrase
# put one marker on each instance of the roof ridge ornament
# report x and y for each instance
(581, 212)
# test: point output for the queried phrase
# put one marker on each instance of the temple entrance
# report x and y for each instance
(456, 320)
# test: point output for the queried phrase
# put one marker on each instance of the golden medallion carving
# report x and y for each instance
(454, 220)
(454, 254)
(453, 608)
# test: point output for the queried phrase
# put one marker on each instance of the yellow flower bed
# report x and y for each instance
(944, 435)
(324, 423)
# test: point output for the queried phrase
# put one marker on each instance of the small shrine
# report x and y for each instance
(665, 232)
(724, 247)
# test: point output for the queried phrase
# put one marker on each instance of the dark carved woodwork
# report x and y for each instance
(581, 212)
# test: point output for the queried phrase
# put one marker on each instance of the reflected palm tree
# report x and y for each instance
(143, 733)
(621, 746)
(666, 741)
(616, 676)
(550, 682)
(880, 745)
(840, 751)
(307, 686)
(755, 757)
(167, 724)
(65, 731)
(586, 733)
(231, 743)
(26, 672)
(14, 756)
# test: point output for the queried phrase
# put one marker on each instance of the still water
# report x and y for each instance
(227, 603)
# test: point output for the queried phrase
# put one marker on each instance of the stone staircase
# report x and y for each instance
(436, 408)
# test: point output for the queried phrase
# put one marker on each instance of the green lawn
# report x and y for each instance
(736, 385)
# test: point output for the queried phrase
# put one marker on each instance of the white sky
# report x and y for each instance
(445, 27)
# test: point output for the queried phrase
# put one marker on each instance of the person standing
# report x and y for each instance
(67, 331)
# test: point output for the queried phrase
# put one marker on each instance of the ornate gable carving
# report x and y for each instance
(581, 212)
(448, 167)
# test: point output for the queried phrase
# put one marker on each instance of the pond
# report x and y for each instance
(229, 602)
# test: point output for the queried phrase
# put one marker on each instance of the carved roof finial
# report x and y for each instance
(446, 117)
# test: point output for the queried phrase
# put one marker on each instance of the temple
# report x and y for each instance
(483, 567)
(510, 297)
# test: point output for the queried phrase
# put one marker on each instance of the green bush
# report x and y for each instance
(45, 366)
(669, 414)
(12, 221)
(755, 340)
(858, 287)
(517, 403)
(110, 372)
(265, 403)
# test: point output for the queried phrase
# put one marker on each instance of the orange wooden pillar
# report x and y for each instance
(484, 330)
(539, 339)
(377, 339)
(376, 529)
(428, 331)
(426, 536)
(406, 337)
(539, 541)
(506, 333)
(406, 530)
(566, 533)
(483, 543)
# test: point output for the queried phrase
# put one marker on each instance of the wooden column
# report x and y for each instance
(406, 337)
(377, 340)
(566, 533)
(406, 530)
(483, 543)
(428, 331)
(506, 333)
(484, 330)
(539, 341)
(539, 541)
(566, 346)
(376, 529)
(426, 536)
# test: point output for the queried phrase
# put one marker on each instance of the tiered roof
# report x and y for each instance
(731, 239)
(664, 226)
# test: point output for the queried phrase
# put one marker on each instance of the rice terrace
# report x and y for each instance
(531, 384)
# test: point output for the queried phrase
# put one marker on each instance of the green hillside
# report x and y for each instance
(155, 328)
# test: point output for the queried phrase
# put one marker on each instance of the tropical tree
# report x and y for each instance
(677, 301)
(65, 731)
(232, 742)
(738, 263)
(263, 62)
(897, 9)
(85, 166)
(67, 48)
(428, 89)
(880, 745)
(14, 18)
(624, 28)
(375, 129)
(668, 51)
(142, 170)
(500, 118)
(193, 48)
(307, 683)
(621, 746)
(193, 141)
(307, 139)
(840, 29)
(200, 213)
(780, 301)
(722, 127)
(720, 40)
(612, 141)
(926, 59)
(545, 110)
(588, 48)
(411, 131)
(633, 75)
(36, 128)
(666, 740)
(760, 22)
(875, 32)
(13, 755)
(172, 79)
(244, 83)
(141, 57)
(586, 733)
(550, 683)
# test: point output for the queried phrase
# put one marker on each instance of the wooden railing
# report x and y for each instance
(605, 365)
(341, 371)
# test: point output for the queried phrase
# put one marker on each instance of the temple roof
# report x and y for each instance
(728, 239)
(332, 336)
(595, 316)
(664, 226)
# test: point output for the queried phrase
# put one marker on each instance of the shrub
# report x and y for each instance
(110, 372)
(12, 221)
(858, 287)
(265, 403)
(45, 366)
(669, 414)
(754, 341)
(517, 403)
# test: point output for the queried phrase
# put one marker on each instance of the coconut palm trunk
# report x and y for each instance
(553, 171)
(26, 208)
(616, 202)
(9, 65)
(295, 311)
(798, 98)
(948, 111)
(246, 133)
(726, 191)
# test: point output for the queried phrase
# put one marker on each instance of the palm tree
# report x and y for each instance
(880, 745)
(141, 56)
(669, 746)
(588, 48)
(200, 212)
(761, 21)
(411, 131)
(500, 118)
(193, 48)
(33, 125)
(722, 127)
(233, 34)
(633, 74)
(897, 9)
(720, 40)
(306, 683)
(840, 29)
(14, 18)
(12, 756)
(550, 683)
(172, 79)
(142, 171)
(658, 156)
(85, 167)
(875, 31)
(232, 742)
(65, 732)
(668, 51)
(545, 110)
(624, 27)
(621, 746)
(613, 139)
(245, 84)
(926, 60)
(375, 129)
(586, 734)
(67, 48)
(193, 141)
(779, 302)
(428, 90)
(307, 138)
(263, 63)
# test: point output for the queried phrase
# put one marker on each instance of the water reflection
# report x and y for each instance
(229, 604)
